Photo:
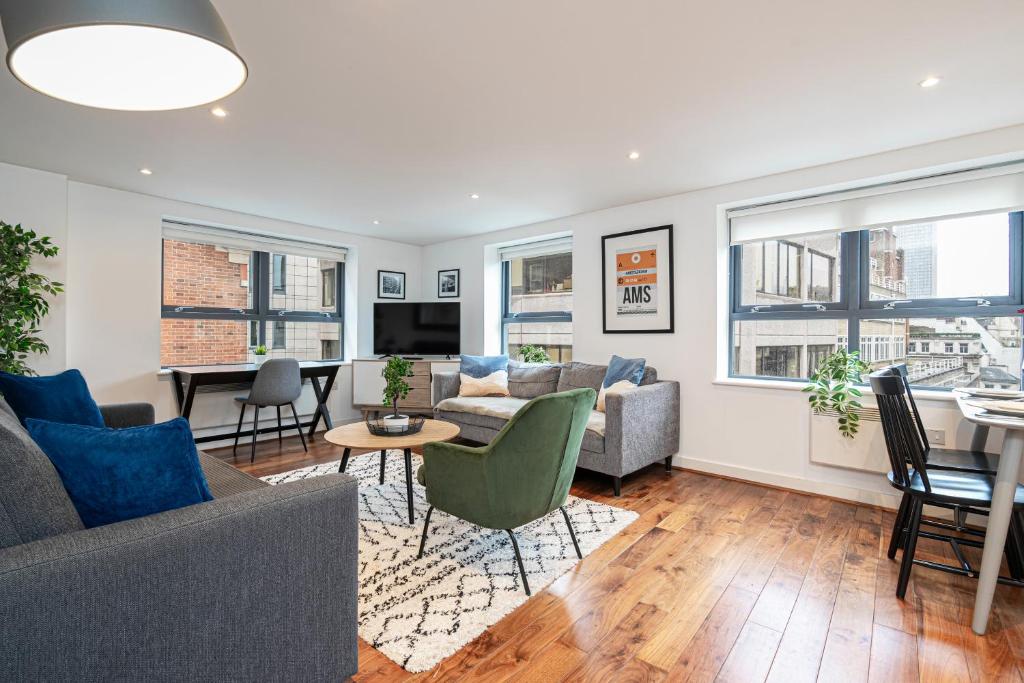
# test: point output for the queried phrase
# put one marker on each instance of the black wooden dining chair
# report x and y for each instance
(922, 486)
(959, 461)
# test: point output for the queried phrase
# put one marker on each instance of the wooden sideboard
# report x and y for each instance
(368, 384)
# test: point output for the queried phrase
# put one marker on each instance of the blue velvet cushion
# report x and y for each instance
(481, 366)
(60, 398)
(118, 474)
(629, 369)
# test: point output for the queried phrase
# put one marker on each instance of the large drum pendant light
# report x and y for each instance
(132, 55)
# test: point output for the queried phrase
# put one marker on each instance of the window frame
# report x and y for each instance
(855, 306)
(261, 312)
(510, 318)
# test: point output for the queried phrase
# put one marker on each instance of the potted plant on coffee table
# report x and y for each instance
(396, 389)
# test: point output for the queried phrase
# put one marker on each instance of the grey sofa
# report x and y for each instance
(638, 428)
(257, 585)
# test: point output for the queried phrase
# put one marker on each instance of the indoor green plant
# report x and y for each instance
(533, 354)
(23, 296)
(261, 354)
(395, 389)
(833, 387)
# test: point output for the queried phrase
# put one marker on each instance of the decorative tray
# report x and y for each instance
(379, 427)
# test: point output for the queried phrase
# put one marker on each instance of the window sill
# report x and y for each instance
(919, 394)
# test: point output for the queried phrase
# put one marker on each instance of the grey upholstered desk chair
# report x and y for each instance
(278, 383)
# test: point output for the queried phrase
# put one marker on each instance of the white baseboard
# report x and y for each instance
(850, 493)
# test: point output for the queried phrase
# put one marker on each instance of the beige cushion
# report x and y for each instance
(494, 384)
(504, 408)
(623, 386)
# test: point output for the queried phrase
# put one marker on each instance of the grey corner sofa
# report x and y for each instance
(637, 429)
(259, 584)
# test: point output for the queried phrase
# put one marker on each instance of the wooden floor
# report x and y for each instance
(729, 581)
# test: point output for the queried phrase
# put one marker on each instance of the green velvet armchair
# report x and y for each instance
(522, 475)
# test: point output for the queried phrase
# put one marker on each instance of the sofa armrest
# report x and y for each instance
(121, 415)
(257, 586)
(446, 385)
(642, 425)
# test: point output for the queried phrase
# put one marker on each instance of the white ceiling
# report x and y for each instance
(397, 110)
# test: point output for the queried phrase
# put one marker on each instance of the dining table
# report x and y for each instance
(1003, 492)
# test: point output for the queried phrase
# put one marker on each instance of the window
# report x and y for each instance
(217, 305)
(778, 361)
(537, 299)
(816, 353)
(280, 336)
(328, 286)
(279, 273)
(941, 296)
(801, 269)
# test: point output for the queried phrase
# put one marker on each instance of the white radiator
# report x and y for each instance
(865, 452)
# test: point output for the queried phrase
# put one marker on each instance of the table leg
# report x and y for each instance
(383, 457)
(190, 395)
(980, 438)
(344, 460)
(998, 523)
(408, 483)
(321, 403)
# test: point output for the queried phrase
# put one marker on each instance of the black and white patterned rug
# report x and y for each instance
(417, 612)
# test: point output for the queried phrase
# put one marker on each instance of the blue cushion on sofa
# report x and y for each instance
(118, 474)
(629, 369)
(60, 398)
(481, 366)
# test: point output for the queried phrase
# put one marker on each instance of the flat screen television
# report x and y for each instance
(416, 329)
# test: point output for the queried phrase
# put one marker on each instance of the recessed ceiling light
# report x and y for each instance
(930, 82)
(145, 171)
(376, 222)
(634, 155)
(474, 196)
(219, 112)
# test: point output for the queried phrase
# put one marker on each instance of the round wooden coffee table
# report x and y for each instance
(356, 435)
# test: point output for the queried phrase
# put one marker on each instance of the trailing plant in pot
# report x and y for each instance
(23, 296)
(396, 389)
(833, 387)
(533, 354)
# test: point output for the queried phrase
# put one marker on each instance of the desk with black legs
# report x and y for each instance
(189, 380)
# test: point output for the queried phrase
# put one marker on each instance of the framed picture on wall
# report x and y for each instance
(636, 281)
(390, 284)
(448, 284)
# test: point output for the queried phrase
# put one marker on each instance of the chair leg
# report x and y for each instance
(617, 486)
(298, 427)
(668, 464)
(280, 436)
(426, 526)
(383, 459)
(896, 541)
(408, 483)
(238, 432)
(572, 533)
(519, 560)
(908, 551)
(255, 428)
(1014, 551)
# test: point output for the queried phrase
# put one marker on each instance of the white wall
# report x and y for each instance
(749, 432)
(38, 200)
(107, 323)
